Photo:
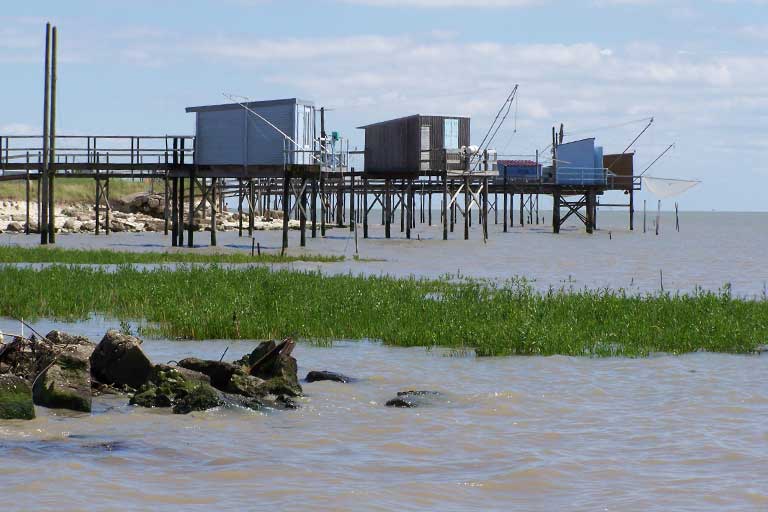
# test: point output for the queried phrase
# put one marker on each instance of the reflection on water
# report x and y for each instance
(526, 433)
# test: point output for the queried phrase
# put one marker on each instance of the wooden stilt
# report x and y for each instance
(467, 218)
(409, 209)
(52, 146)
(445, 207)
(251, 205)
(365, 207)
(214, 211)
(631, 210)
(387, 208)
(174, 212)
(191, 215)
(286, 211)
(302, 207)
(485, 208)
(313, 207)
(42, 182)
(240, 207)
(556, 212)
(504, 193)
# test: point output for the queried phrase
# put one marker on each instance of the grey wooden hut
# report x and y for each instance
(229, 134)
(413, 144)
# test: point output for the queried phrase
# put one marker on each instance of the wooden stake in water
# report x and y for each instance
(677, 217)
(644, 226)
(658, 217)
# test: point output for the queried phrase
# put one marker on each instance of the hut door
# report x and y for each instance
(426, 145)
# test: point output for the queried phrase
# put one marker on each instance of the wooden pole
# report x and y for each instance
(240, 207)
(26, 187)
(174, 210)
(214, 210)
(302, 203)
(556, 211)
(590, 210)
(286, 211)
(191, 220)
(42, 182)
(313, 207)
(52, 146)
(658, 217)
(251, 205)
(466, 208)
(98, 195)
(644, 216)
(352, 201)
(387, 208)
(522, 210)
(505, 194)
(677, 217)
(409, 208)
(485, 208)
(631, 210)
(181, 195)
(445, 206)
(365, 207)
(322, 204)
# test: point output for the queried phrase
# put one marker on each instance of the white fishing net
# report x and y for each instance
(665, 187)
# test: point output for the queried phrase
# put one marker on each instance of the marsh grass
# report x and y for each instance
(14, 254)
(491, 319)
(70, 190)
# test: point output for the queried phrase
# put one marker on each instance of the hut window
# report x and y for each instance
(451, 137)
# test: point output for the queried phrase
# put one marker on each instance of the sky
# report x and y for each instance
(600, 67)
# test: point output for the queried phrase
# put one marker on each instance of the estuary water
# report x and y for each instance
(711, 250)
(515, 433)
(521, 433)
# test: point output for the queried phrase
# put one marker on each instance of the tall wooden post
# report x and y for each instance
(251, 205)
(302, 207)
(409, 208)
(365, 207)
(181, 196)
(485, 208)
(240, 207)
(191, 219)
(590, 198)
(174, 211)
(98, 196)
(322, 204)
(214, 210)
(42, 182)
(340, 202)
(505, 201)
(631, 210)
(556, 211)
(286, 210)
(522, 210)
(352, 201)
(445, 206)
(313, 207)
(466, 207)
(52, 146)
(26, 190)
(387, 208)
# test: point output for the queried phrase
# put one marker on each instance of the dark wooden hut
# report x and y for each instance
(413, 144)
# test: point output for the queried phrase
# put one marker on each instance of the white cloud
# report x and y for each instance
(445, 3)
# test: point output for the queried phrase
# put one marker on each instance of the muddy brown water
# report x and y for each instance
(526, 433)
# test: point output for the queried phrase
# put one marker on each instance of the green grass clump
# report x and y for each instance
(75, 190)
(493, 319)
(13, 254)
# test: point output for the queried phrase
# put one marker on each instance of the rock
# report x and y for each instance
(71, 225)
(200, 398)
(183, 389)
(118, 361)
(761, 349)
(61, 338)
(15, 399)
(219, 372)
(413, 398)
(66, 384)
(273, 363)
(317, 376)
(14, 227)
(248, 385)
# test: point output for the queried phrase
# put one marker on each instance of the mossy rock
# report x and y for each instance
(15, 399)
(65, 385)
(184, 390)
(199, 398)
